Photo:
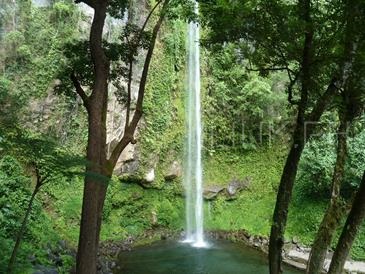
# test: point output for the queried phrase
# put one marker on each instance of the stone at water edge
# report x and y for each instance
(298, 256)
(302, 256)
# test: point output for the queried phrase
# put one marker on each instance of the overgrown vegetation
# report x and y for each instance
(247, 134)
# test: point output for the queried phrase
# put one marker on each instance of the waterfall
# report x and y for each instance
(193, 177)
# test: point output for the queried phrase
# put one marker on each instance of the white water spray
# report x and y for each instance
(193, 169)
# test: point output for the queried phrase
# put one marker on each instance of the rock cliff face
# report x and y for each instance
(164, 97)
(40, 110)
(116, 117)
(149, 159)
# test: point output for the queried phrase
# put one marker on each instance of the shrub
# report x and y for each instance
(317, 164)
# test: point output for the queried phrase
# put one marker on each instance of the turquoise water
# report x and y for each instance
(167, 257)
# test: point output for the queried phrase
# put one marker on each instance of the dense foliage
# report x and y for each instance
(317, 163)
(241, 108)
(250, 92)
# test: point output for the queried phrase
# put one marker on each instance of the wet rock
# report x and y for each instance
(295, 264)
(355, 267)
(128, 153)
(295, 240)
(130, 167)
(105, 266)
(236, 186)
(154, 220)
(251, 239)
(174, 171)
(150, 176)
(211, 192)
(298, 256)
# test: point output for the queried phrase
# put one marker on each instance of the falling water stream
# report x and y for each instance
(166, 257)
(193, 169)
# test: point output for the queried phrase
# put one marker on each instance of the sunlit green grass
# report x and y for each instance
(129, 208)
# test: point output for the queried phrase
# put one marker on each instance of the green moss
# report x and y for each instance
(252, 210)
(263, 166)
(161, 140)
(129, 208)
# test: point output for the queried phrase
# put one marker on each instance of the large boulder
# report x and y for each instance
(128, 162)
(298, 256)
(130, 168)
(211, 192)
(236, 186)
(174, 171)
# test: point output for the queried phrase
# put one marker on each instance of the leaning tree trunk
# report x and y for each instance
(282, 202)
(22, 230)
(349, 232)
(291, 166)
(302, 133)
(335, 210)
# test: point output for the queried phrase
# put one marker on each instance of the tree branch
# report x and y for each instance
(321, 105)
(138, 112)
(129, 91)
(40, 180)
(147, 19)
(130, 73)
(90, 3)
(290, 88)
(80, 91)
(128, 135)
(37, 175)
(291, 80)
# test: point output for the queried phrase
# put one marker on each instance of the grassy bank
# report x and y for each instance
(131, 210)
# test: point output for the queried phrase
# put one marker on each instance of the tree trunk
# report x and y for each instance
(351, 228)
(299, 138)
(97, 175)
(22, 230)
(282, 203)
(101, 201)
(94, 193)
(100, 168)
(335, 210)
(302, 133)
